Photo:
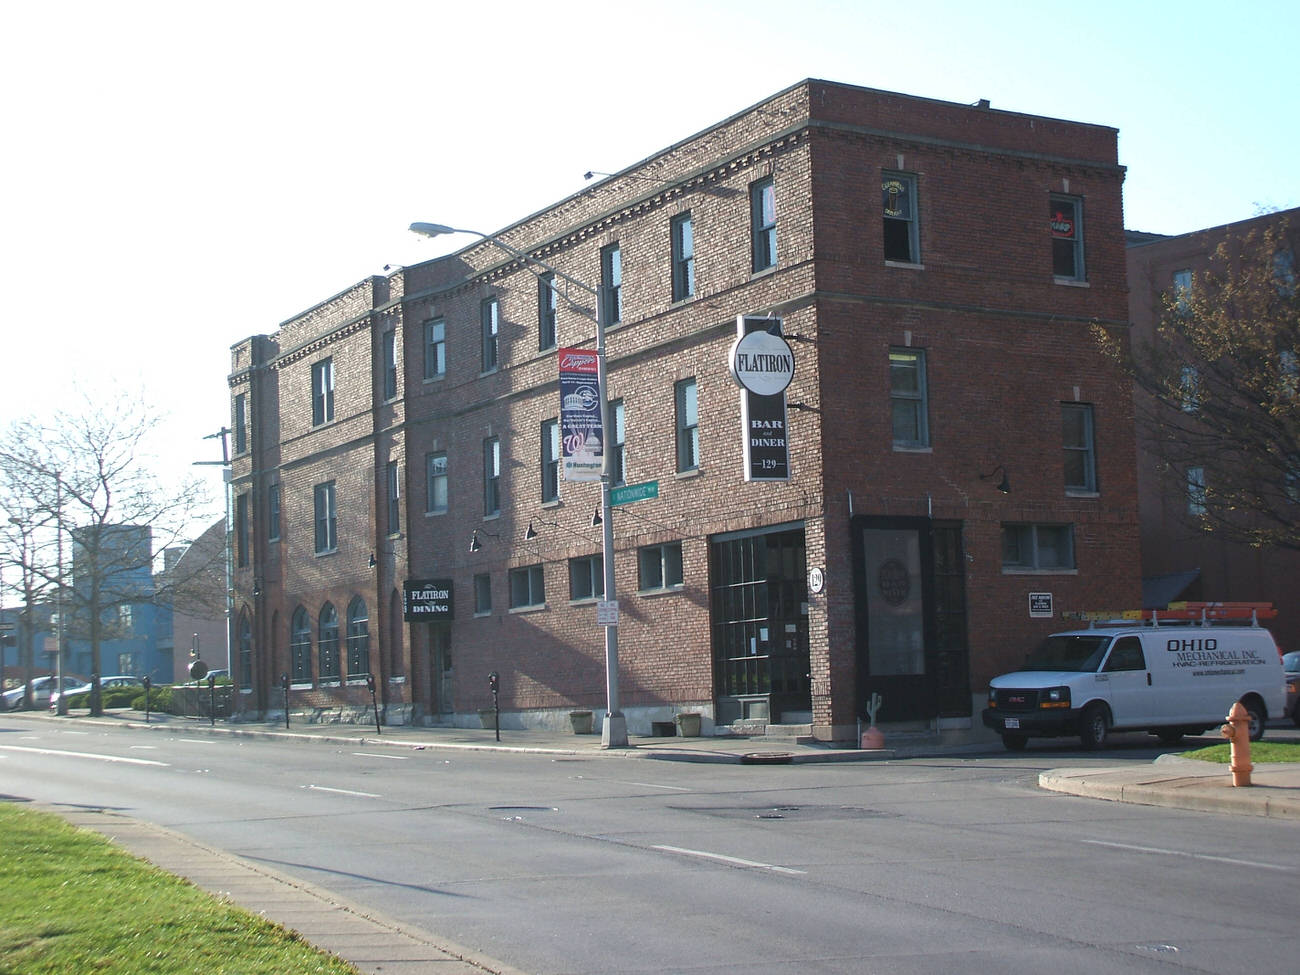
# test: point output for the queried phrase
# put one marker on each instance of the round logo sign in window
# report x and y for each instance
(894, 581)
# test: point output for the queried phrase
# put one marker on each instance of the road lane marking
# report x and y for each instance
(344, 792)
(198, 741)
(639, 785)
(98, 758)
(1194, 856)
(737, 861)
(391, 758)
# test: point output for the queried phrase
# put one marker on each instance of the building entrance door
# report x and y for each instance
(759, 607)
(442, 668)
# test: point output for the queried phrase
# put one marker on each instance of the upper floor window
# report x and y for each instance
(898, 204)
(1037, 547)
(908, 398)
(1196, 492)
(587, 577)
(273, 512)
(1189, 388)
(241, 530)
(435, 478)
(683, 247)
(492, 476)
(547, 306)
(1182, 290)
(619, 443)
(241, 423)
(435, 349)
(322, 392)
(526, 587)
(1284, 272)
(688, 425)
(245, 651)
(482, 594)
(762, 223)
(550, 460)
(1080, 448)
(1066, 221)
(325, 516)
(490, 314)
(394, 487)
(390, 364)
(611, 281)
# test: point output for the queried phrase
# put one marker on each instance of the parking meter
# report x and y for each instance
(147, 685)
(370, 685)
(212, 699)
(284, 686)
(494, 684)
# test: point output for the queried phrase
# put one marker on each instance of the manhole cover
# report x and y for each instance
(767, 758)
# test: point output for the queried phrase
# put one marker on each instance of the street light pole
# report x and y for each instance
(614, 728)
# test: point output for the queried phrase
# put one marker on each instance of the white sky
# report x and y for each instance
(178, 177)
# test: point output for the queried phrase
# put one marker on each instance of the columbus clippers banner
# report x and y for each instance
(762, 363)
(582, 434)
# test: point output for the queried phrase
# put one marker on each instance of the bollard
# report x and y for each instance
(1237, 731)
(284, 686)
(148, 685)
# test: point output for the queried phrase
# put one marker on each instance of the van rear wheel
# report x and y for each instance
(1094, 725)
(1258, 718)
(1015, 743)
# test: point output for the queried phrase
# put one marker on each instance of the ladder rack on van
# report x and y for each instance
(1204, 613)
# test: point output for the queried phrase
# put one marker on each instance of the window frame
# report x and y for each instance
(300, 647)
(618, 420)
(389, 352)
(322, 391)
(1087, 450)
(550, 461)
(762, 230)
(906, 218)
(241, 530)
(393, 499)
(1197, 495)
(273, 502)
(482, 594)
(490, 327)
(915, 401)
(1029, 532)
(1079, 267)
(534, 580)
(491, 477)
(358, 639)
(435, 349)
(548, 306)
(240, 408)
(681, 231)
(436, 476)
(325, 518)
(659, 557)
(611, 282)
(586, 578)
(1181, 288)
(686, 401)
(327, 644)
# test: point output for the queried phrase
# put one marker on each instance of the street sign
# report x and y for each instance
(645, 491)
(607, 612)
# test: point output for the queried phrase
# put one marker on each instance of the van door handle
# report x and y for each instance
(1148, 678)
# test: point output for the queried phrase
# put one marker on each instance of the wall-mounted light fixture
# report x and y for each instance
(372, 562)
(474, 543)
(1004, 485)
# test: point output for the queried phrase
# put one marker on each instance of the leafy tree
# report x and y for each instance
(87, 473)
(1219, 389)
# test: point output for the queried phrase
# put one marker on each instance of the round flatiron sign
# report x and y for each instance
(762, 363)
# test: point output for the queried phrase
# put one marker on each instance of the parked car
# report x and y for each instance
(115, 680)
(42, 689)
(1291, 666)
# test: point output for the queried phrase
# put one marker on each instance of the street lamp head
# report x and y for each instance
(432, 229)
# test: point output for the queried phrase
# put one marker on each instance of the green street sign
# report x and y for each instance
(645, 491)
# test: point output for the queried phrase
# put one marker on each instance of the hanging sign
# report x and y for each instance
(426, 599)
(762, 364)
(582, 435)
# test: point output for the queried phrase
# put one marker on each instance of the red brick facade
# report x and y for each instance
(1005, 342)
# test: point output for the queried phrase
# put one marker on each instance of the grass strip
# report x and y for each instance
(1260, 752)
(70, 901)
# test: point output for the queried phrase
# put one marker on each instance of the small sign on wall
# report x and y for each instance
(1040, 606)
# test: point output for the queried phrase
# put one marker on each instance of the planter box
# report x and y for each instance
(488, 716)
(582, 722)
(688, 724)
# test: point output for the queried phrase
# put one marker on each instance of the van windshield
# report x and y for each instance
(1078, 653)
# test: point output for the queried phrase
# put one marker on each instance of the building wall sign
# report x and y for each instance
(582, 435)
(762, 364)
(426, 600)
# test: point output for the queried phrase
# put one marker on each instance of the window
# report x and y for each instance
(435, 483)
(1189, 389)
(659, 566)
(241, 530)
(619, 458)
(550, 460)
(898, 205)
(611, 282)
(526, 587)
(394, 498)
(358, 638)
(1067, 237)
(390, 364)
(1288, 370)
(491, 476)
(1080, 448)
(683, 245)
(245, 652)
(587, 577)
(762, 223)
(326, 518)
(908, 401)
(482, 594)
(1126, 654)
(300, 647)
(241, 423)
(490, 313)
(688, 426)
(1182, 290)
(1284, 272)
(1196, 494)
(435, 349)
(322, 392)
(547, 304)
(1037, 547)
(273, 512)
(328, 643)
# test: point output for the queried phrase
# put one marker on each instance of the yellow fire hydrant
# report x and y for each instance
(1237, 731)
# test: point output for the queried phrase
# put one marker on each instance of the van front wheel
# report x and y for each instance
(1258, 718)
(1094, 726)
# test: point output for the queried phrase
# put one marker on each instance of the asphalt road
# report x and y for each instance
(602, 865)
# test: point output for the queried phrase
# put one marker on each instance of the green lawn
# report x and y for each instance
(72, 902)
(1260, 751)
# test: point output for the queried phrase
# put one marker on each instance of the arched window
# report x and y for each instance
(328, 643)
(245, 651)
(358, 638)
(300, 648)
(395, 635)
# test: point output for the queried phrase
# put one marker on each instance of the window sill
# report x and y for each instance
(1080, 493)
(300, 687)
(662, 591)
(762, 272)
(1008, 570)
(435, 514)
(1072, 282)
(397, 680)
(531, 608)
(330, 682)
(900, 448)
(245, 690)
(693, 472)
(326, 551)
(905, 265)
(486, 614)
(489, 372)
(553, 503)
(586, 601)
(434, 379)
(494, 516)
(356, 681)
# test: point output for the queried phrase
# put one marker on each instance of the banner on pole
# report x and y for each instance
(582, 433)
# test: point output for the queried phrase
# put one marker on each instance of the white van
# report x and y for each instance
(1168, 677)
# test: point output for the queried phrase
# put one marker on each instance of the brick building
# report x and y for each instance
(1180, 560)
(956, 443)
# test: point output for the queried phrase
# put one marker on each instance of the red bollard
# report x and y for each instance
(1237, 731)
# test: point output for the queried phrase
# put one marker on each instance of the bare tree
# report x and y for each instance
(1219, 390)
(88, 475)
